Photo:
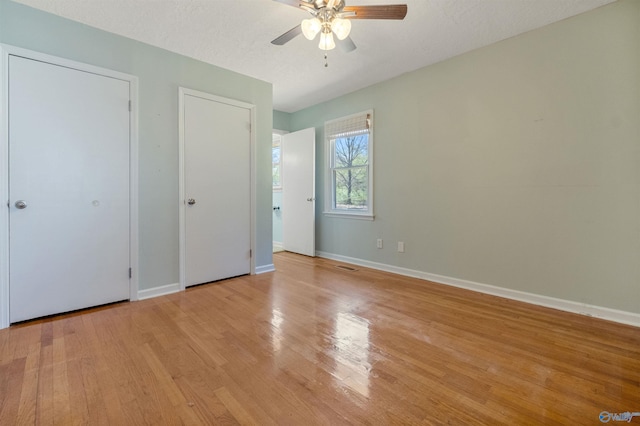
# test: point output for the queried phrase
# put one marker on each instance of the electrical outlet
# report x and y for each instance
(400, 247)
(379, 243)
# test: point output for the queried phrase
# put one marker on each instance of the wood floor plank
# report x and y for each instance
(12, 378)
(61, 394)
(44, 398)
(28, 396)
(315, 344)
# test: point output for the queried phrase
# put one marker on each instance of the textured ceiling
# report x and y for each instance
(236, 34)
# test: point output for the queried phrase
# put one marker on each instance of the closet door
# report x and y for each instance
(68, 189)
(217, 188)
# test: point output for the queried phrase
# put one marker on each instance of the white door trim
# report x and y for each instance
(182, 91)
(5, 52)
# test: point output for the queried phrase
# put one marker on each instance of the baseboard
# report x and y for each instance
(174, 288)
(265, 268)
(277, 246)
(158, 291)
(609, 314)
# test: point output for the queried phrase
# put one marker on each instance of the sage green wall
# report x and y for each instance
(281, 120)
(160, 74)
(516, 165)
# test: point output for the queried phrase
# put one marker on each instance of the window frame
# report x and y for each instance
(275, 133)
(329, 196)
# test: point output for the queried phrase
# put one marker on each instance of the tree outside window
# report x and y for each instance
(351, 172)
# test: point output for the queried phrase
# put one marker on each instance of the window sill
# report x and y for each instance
(344, 215)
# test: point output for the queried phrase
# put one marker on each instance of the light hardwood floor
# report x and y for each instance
(315, 344)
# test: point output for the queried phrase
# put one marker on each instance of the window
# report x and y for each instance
(349, 143)
(276, 161)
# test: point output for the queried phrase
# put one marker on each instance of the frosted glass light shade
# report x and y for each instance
(310, 28)
(326, 41)
(341, 28)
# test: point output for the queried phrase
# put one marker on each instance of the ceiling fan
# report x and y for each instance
(333, 17)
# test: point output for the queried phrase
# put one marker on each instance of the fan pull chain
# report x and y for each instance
(326, 63)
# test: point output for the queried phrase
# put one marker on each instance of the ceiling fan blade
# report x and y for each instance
(309, 6)
(390, 11)
(284, 38)
(294, 3)
(347, 45)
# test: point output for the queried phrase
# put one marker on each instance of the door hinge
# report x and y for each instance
(250, 253)
(129, 106)
(130, 273)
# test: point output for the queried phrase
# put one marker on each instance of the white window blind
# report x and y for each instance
(350, 126)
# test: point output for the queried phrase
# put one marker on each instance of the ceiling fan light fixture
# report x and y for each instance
(310, 28)
(341, 28)
(326, 41)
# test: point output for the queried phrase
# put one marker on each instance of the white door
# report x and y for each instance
(217, 188)
(298, 191)
(68, 189)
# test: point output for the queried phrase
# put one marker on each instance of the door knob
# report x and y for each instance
(20, 204)
(191, 201)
